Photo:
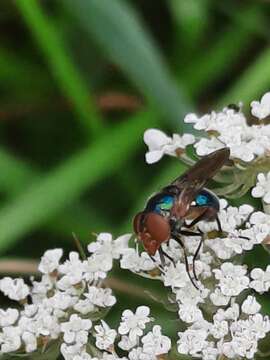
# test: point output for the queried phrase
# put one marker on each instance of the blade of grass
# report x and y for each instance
(122, 36)
(62, 186)
(255, 19)
(61, 65)
(17, 176)
(15, 73)
(254, 81)
(214, 63)
(190, 20)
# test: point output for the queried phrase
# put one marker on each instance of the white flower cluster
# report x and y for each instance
(262, 188)
(261, 109)
(67, 305)
(160, 144)
(131, 338)
(228, 127)
(142, 347)
(232, 333)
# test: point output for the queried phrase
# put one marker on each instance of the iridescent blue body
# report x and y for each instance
(207, 198)
(162, 203)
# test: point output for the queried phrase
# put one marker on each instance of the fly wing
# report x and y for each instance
(197, 176)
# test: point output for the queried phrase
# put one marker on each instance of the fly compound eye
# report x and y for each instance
(158, 227)
(138, 223)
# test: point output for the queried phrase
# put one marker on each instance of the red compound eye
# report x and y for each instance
(158, 227)
(152, 229)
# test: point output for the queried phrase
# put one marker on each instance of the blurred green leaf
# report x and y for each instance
(191, 18)
(62, 67)
(60, 187)
(120, 33)
(254, 81)
(20, 75)
(250, 16)
(217, 62)
(17, 176)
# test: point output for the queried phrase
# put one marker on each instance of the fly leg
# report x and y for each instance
(195, 256)
(160, 267)
(222, 232)
(163, 254)
(191, 233)
(195, 221)
(179, 241)
(219, 225)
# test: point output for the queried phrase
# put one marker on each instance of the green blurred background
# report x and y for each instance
(80, 81)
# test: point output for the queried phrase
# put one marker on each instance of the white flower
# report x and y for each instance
(97, 266)
(84, 306)
(210, 353)
(154, 343)
(84, 356)
(10, 339)
(232, 279)
(219, 329)
(139, 354)
(76, 330)
(106, 244)
(229, 128)
(205, 147)
(41, 288)
(262, 188)
(218, 298)
(73, 270)
(100, 297)
(133, 324)
(261, 279)
(29, 310)
(27, 324)
(134, 262)
(105, 336)
(260, 226)
(30, 341)
(107, 356)
(155, 140)
(47, 324)
(176, 275)
(226, 348)
(70, 351)
(245, 336)
(192, 341)
(50, 261)
(8, 317)
(259, 325)
(190, 295)
(250, 305)
(160, 144)
(261, 109)
(219, 247)
(189, 313)
(126, 344)
(61, 301)
(231, 313)
(15, 289)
